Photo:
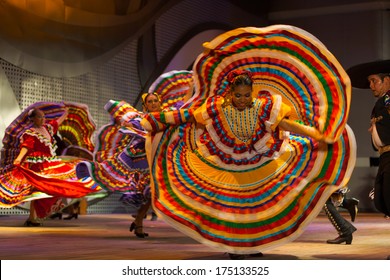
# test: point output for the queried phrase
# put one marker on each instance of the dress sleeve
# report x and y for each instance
(54, 124)
(158, 121)
(27, 141)
(279, 111)
(199, 114)
(209, 110)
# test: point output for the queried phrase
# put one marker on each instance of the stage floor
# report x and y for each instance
(106, 237)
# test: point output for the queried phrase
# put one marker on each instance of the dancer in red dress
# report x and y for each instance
(38, 175)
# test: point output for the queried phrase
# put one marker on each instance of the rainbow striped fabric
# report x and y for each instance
(76, 130)
(57, 176)
(244, 186)
(120, 163)
(173, 87)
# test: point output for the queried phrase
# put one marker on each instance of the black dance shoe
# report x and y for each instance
(138, 230)
(244, 256)
(71, 216)
(56, 215)
(29, 223)
(353, 208)
(341, 239)
(154, 217)
(236, 256)
(256, 255)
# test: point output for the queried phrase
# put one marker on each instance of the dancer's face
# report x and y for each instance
(241, 96)
(152, 103)
(39, 118)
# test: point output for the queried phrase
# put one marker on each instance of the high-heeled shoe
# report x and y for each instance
(71, 216)
(256, 255)
(244, 256)
(353, 208)
(154, 217)
(134, 227)
(236, 256)
(29, 223)
(56, 215)
(341, 239)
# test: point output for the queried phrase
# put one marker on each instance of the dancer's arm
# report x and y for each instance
(301, 129)
(63, 117)
(21, 155)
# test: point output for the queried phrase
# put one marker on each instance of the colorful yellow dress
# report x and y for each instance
(233, 180)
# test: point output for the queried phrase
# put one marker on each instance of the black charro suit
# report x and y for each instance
(382, 182)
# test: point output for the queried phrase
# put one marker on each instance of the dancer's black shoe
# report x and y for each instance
(56, 215)
(71, 216)
(352, 207)
(244, 256)
(138, 230)
(29, 223)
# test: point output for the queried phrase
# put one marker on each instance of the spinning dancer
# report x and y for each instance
(232, 176)
(37, 174)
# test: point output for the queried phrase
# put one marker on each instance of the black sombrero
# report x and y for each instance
(359, 73)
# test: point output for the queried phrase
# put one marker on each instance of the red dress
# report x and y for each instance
(42, 176)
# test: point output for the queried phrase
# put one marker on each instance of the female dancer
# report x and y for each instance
(268, 147)
(151, 103)
(37, 174)
(120, 163)
(31, 148)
